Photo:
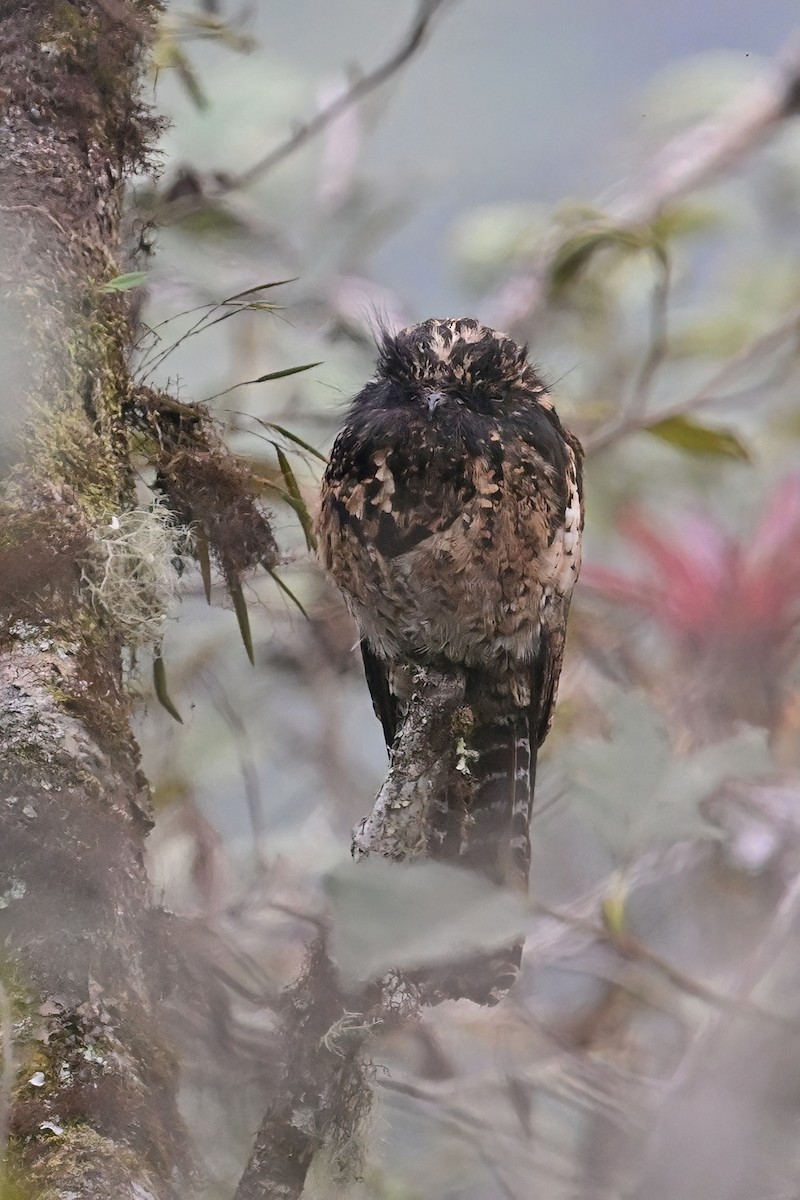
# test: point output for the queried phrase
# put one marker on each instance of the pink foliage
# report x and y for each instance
(702, 585)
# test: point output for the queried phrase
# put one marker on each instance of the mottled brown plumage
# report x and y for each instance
(451, 520)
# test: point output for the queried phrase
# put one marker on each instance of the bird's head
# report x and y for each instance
(458, 362)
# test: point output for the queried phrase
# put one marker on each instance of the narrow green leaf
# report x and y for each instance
(682, 219)
(613, 907)
(292, 437)
(203, 559)
(233, 311)
(261, 378)
(205, 322)
(688, 435)
(188, 77)
(287, 591)
(242, 616)
(299, 506)
(286, 371)
(160, 686)
(259, 287)
(124, 283)
(575, 253)
(214, 305)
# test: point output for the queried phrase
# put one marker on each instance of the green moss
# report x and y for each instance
(18, 996)
(65, 28)
(75, 435)
(103, 1089)
(79, 1160)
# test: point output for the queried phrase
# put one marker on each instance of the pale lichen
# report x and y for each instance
(130, 571)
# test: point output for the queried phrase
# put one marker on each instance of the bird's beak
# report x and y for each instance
(432, 400)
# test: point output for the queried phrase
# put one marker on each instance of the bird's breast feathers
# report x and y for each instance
(453, 546)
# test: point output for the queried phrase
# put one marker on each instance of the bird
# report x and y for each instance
(450, 518)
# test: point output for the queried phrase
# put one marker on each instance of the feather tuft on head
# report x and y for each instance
(459, 350)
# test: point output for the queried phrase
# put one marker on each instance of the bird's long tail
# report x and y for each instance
(496, 831)
(488, 830)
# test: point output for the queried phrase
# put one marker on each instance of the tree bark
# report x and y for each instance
(92, 1107)
(408, 820)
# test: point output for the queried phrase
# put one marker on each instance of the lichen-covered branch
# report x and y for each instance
(326, 1090)
(325, 1093)
(406, 820)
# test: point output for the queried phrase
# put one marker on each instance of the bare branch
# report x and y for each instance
(659, 332)
(689, 161)
(692, 159)
(765, 951)
(708, 394)
(325, 1093)
(633, 950)
(361, 88)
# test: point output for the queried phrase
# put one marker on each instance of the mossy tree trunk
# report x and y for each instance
(91, 1110)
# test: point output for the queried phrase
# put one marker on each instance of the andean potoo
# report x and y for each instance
(451, 520)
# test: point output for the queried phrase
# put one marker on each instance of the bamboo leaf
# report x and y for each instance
(188, 77)
(212, 306)
(261, 378)
(160, 686)
(299, 506)
(575, 253)
(124, 283)
(613, 908)
(242, 616)
(259, 287)
(205, 322)
(203, 559)
(686, 434)
(292, 437)
(287, 591)
(233, 311)
(286, 371)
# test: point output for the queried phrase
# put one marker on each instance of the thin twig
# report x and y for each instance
(244, 749)
(633, 950)
(705, 395)
(361, 88)
(571, 1081)
(765, 951)
(659, 332)
(689, 161)
(763, 955)
(234, 305)
(472, 1128)
(692, 158)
